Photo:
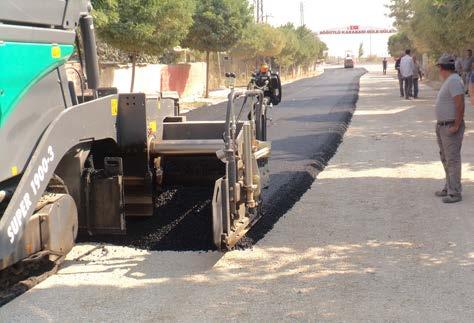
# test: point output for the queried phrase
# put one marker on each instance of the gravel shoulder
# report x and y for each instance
(367, 242)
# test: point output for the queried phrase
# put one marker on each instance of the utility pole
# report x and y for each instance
(266, 18)
(301, 13)
(370, 44)
(258, 7)
(255, 10)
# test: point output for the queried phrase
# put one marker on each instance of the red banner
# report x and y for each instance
(358, 30)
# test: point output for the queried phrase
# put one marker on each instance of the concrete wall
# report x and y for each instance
(147, 77)
(189, 80)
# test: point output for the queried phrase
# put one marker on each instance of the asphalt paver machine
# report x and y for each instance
(70, 162)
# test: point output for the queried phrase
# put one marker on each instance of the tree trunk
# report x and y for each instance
(219, 78)
(246, 72)
(208, 54)
(134, 63)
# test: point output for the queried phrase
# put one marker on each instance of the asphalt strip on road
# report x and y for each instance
(301, 181)
(182, 221)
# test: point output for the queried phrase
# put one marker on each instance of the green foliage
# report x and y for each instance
(435, 26)
(398, 43)
(272, 41)
(259, 40)
(310, 47)
(290, 46)
(218, 24)
(401, 11)
(143, 26)
(110, 54)
(288, 54)
(247, 48)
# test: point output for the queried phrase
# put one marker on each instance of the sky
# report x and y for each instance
(327, 14)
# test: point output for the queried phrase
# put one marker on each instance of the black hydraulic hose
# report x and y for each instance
(230, 117)
(242, 108)
(79, 51)
(81, 79)
(230, 149)
(229, 138)
(72, 92)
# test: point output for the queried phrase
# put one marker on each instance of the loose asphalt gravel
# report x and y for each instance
(305, 130)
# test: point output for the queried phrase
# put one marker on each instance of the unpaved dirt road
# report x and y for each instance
(367, 243)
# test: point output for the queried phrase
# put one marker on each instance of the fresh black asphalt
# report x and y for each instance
(306, 129)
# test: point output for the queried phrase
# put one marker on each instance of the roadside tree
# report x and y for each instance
(218, 26)
(398, 43)
(286, 59)
(142, 26)
(260, 42)
(310, 47)
(435, 26)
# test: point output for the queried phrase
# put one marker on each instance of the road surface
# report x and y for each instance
(305, 131)
(116, 283)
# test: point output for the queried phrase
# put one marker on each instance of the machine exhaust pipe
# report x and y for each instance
(90, 52)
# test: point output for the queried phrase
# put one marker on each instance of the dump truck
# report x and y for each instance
(86, 162)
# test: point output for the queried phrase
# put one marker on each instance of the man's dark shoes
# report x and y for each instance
(442, 193)
(452, 199)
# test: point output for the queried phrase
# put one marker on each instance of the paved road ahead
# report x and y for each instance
(306, 129)
(305, 132)
(303, 125)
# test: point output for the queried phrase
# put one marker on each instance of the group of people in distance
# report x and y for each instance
(409, 75)
(410, 72)
(463, 66)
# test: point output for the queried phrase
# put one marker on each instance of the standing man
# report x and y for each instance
(384, 65)
(406, 70)
(467, 69)
(400, 78)
(417, 74)
(450, 128)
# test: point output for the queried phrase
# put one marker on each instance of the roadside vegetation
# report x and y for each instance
(432, 27)
(288, 46)
(132, 31)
